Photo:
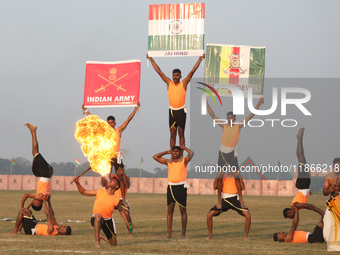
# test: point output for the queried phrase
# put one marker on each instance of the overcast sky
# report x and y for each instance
(45, 44)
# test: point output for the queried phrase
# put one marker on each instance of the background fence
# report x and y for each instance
(150, 185)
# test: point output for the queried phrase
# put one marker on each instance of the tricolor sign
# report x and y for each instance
(242, 66)
(176, 30)
(112, 83)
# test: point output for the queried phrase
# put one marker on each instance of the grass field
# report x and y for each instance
(149, 217)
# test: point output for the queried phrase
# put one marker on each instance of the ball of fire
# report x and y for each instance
(97, 141)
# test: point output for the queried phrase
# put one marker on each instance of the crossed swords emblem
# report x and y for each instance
(119, 87)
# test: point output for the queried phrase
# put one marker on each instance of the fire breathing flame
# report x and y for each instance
(97, 140)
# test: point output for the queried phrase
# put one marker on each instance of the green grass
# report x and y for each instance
(149, 217)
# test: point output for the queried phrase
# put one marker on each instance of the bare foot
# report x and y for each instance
(97, 245)
(209, 237)
(169, 236)
(182, 237)
(246, 239)
(102, 237)
(300, 133)
(31, 127)
(14, 232)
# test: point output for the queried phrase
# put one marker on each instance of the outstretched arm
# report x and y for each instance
(295, 223)
(82, 190)
(261, 100)
(212, 114)
(311, 207)
(191, 73)
(159, 157)
(85, 110)
(124, 125)
(158, 70)
(189, 156)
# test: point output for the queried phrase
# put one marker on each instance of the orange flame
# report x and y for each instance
(97, 141)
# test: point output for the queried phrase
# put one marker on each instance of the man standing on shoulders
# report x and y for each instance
(177, 90)
(227, 157)
(177, 190)
(118, 161)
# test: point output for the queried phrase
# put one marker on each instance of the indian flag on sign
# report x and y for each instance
(242, 66)
(176, 30)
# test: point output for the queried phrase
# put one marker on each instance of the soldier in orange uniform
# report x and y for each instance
(231, 198)
(227, 156)
(302, 181)
(301, 236)
(117, 162)
(27, 221)
(103, 208)
(177, 90)
(177, 190)
(40, 169)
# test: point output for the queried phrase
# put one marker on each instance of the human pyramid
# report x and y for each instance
(229, 185)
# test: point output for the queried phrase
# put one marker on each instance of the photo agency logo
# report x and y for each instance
(288, 96)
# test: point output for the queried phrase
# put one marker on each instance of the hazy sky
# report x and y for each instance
(45, 44)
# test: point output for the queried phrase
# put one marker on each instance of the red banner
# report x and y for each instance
(109, 84)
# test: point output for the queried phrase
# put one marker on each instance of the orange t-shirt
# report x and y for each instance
(176, 95)
(177, 172)
(229, 185)
(299, 197)
(230, 135)
(299, 237)
(42, 230)
(43, 187)
(105, 204)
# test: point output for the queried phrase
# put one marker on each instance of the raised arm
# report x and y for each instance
(189, 156)
(158, 70)
(159, 157)
(212, 114)
(295, 224)
(261, 100)
(50, 226)
(191, 73)
(50, 209)
(85, 110)
(309, 207)
(82, 190)
(124, 125)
